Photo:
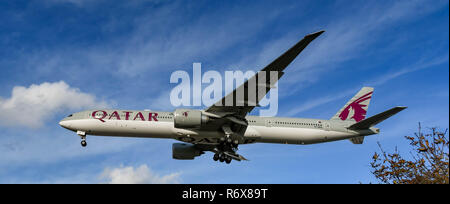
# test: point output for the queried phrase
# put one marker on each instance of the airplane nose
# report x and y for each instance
(64, 124)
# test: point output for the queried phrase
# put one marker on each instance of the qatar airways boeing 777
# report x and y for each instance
(222, 128)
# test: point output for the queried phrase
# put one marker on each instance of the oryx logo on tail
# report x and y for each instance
(359, 109)
(356, 109)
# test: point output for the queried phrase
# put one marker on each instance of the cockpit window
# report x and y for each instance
(70, 115)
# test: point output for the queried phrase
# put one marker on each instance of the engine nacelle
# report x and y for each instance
(188, 118)
(185, 151)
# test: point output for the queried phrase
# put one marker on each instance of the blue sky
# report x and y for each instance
(63, 56)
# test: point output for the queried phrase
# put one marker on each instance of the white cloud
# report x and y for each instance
(78, 3)
(206, 35)
(32, 106)
(347, 37)
(376, 81)
(139, 175)
(318, 102)
(81, 3)
(417, 66)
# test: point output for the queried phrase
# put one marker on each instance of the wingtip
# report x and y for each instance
(321, 31)
(317, 33)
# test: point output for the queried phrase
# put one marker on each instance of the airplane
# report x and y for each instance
(222, 128)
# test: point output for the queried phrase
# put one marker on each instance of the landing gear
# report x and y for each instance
(82, 134)
(225, 148)
(228, 144)
(222, 157)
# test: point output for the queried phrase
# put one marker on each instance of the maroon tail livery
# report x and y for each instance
(356, 109)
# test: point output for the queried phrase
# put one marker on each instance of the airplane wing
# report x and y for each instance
(228, 114)
(239, 103)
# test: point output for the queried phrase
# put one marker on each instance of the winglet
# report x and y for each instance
(287, 57)
(316, 33)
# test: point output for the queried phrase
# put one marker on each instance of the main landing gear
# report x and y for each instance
(226, 146)
(82, 134)
(222, 158)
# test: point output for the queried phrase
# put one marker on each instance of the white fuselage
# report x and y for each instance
(161, 125)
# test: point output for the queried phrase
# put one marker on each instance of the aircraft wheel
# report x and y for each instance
(216, 157)
(228, 160)
(222, 158)
(83, 143)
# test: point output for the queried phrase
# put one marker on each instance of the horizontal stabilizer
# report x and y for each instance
(369, 122)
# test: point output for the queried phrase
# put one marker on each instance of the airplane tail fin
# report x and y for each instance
(356, 108)
(378, 118)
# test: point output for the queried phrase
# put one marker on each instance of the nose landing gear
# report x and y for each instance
(82, 134)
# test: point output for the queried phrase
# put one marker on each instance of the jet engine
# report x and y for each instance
(185, 151)
(188, 118)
